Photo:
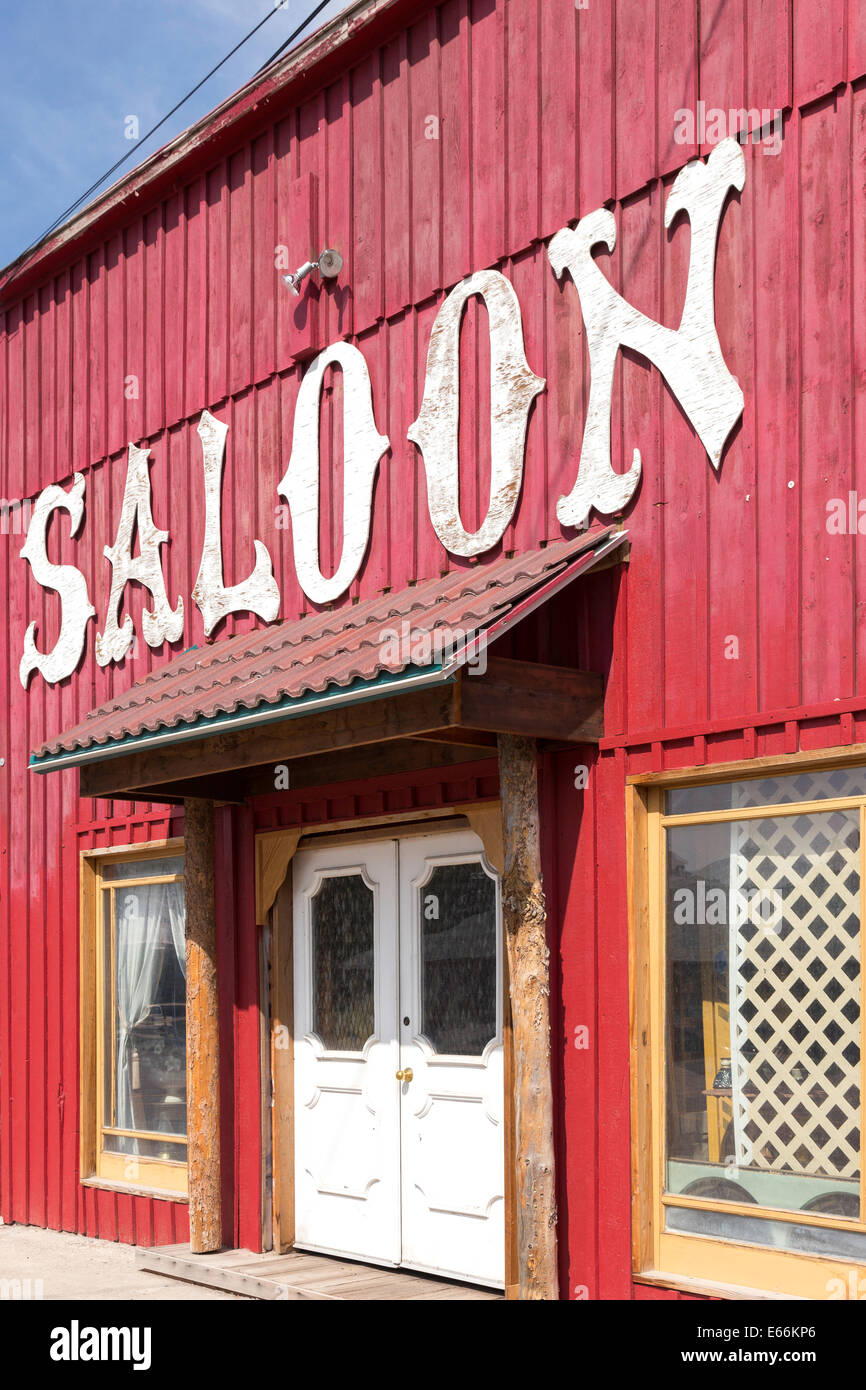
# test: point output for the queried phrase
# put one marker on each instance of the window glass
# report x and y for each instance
(457, 909)
(766, 791)
(144, 1036)
(343, 966)
(142, 868)
(763, 1021)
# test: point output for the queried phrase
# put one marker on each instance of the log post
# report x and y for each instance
(202, 1031)
(524, 919)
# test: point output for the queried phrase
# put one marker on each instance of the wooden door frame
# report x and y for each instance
(282, 1063)
(275, 850)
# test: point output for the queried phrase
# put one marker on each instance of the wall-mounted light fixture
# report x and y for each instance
(329, 265)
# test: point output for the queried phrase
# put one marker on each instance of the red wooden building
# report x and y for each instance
(350, 652)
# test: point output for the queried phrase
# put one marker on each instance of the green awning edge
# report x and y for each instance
(290, 707)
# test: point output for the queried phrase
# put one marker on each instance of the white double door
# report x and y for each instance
(399, 1154)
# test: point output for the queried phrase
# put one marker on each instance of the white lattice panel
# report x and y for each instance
(795, 981)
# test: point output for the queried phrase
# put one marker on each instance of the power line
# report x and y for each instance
(293, 36)
(93, 187)
(73, 207)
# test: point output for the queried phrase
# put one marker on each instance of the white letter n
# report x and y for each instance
(689, 357)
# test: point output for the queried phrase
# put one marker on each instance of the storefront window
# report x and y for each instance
(757, 1084)
(140, 1020)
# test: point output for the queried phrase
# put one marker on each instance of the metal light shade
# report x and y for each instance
(329, 265)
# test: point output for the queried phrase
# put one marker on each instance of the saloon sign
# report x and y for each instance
(689, 358)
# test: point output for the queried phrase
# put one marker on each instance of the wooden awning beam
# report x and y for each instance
(415, 754)
(516, 697)
(528, 698)
(460, 738)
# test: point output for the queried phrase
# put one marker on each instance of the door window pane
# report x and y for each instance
(457, 908)
(763, 1014)
(343, 962)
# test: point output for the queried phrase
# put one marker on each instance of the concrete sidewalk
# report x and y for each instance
(77, 1267)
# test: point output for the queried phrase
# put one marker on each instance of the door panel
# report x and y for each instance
(347, 1143)
(398, 957)
(452, 1120)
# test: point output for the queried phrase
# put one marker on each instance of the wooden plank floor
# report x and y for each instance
(301, 1276)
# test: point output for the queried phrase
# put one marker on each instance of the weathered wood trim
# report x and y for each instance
(745, 768)
(133, 1189)
(524, 921)
(314, 832)
(150, 849)
(87, 1017)
(536, 700)
(638, 887)
(202, 1030)
(707, 1288)
(412, 754)
(461, 738)
(386, 831)
(512, 1251)
(485, 818)
(218, 790)
(266, 1166)
(370, 722)
(274, 852)
(282, 1057)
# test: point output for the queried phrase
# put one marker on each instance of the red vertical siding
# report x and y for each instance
(460, 143)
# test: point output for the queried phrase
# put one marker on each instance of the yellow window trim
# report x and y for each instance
(690, 1260)
(155, 1176)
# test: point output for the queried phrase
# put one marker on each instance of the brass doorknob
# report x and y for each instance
(405, 1074)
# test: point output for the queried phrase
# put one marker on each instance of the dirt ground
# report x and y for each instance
(77, 1267)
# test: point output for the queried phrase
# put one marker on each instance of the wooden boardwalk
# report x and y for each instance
(297, 1275)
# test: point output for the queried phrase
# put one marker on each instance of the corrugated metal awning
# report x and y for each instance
(355, 653)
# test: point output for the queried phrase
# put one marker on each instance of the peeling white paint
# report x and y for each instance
(689, 357)
(513, 387)
(69, 582)
(163, 623)
(363, 447)
(258, 593)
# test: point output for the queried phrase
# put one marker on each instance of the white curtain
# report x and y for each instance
(173, 907)
(141, 916)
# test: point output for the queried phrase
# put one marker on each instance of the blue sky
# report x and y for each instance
(73, 72)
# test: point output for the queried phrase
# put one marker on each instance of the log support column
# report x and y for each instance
(524, 920)
(202, 1034)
